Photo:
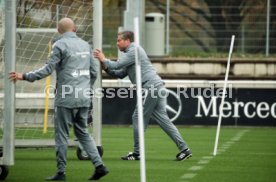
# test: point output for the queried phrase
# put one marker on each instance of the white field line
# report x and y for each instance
(206, 159)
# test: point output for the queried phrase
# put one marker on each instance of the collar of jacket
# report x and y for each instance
(132, 44)
(69, 34)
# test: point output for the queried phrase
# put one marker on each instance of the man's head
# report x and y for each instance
(66, 25)
(124, 39)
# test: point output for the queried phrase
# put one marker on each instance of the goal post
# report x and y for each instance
(97, 44)
(9, 89)
(139, 101)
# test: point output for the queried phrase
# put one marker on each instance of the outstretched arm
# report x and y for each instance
(43, 72)
(47, 69)
(119, 73)
(126, 60)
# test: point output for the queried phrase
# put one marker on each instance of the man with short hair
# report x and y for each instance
(76, 74)
(153, 86)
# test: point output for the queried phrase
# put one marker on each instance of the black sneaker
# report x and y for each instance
(57, 177)
(184, 154)
(131, 157)
(99, 172)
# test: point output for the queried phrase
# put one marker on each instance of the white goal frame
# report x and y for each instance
(8, 141)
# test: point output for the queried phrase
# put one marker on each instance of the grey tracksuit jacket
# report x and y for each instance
(126, 67)
(76, 71)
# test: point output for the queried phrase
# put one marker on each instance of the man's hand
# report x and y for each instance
(14, 76)
(99, 55)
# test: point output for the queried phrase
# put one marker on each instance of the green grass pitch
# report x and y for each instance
(244, 155)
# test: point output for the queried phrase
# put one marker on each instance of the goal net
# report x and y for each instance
(36, 27)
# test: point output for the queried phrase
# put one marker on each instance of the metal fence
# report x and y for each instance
(195, 26)
(206, 26)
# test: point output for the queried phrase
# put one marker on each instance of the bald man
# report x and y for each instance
(76, 73)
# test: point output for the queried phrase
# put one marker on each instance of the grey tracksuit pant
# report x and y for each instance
(77, 118)
(154, 103)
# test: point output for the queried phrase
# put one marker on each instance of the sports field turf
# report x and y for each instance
(245, 155)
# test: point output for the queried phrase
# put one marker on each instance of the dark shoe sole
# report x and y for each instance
(127, 159)
(189, 156)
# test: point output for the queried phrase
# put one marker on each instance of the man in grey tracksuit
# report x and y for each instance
(76, 73)
(154, 101)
